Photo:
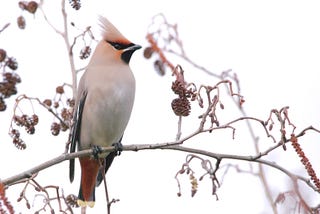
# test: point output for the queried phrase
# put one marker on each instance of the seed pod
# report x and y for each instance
(147, 53)
(159, 67)
(270, 127)
(181, 106)
(21, 22)
(32, 7)
(23, 5)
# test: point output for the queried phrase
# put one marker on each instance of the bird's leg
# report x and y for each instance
(118, 148)
(96, 150)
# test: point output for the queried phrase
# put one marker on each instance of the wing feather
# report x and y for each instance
(75, 132)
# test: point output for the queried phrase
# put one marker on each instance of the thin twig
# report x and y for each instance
(4, 27)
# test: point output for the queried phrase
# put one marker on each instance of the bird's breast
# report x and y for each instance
(107, 109)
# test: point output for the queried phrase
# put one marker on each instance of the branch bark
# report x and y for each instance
(163, 146)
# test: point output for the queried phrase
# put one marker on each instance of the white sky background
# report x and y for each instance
(273, 46)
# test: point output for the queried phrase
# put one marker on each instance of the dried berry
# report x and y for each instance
(3, 55)
(32, 7)
(21, 22)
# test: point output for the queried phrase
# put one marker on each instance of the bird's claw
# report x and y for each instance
(96, 150)
(118, 148)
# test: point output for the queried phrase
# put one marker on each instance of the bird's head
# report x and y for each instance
(121, 46)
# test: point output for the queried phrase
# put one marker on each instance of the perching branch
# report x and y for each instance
(163, 146)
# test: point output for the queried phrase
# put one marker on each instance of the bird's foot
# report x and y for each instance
(96, 150)
(118, 148)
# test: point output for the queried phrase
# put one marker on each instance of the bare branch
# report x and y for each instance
(170, 145)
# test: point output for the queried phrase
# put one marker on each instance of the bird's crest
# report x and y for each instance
(110, 32)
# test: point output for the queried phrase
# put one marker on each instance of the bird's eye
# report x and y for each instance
(116, 45)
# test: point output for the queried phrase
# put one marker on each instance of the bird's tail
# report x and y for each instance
(89, 172)
(82, 202)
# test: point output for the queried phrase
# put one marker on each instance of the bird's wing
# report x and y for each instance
(75, 132)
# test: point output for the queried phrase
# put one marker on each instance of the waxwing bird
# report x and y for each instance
(103, 106)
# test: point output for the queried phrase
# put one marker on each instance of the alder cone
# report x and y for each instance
(181, 106)
(178, 88)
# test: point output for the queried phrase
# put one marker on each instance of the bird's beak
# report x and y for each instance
(133, 47)
(127, 53)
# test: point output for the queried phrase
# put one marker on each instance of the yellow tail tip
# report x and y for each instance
(82, 203)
